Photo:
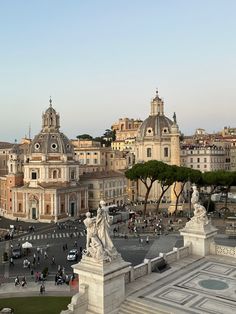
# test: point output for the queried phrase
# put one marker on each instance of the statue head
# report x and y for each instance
(102, 203)
(88, 214)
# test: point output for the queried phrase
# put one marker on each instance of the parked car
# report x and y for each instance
(72, 255)
(16, 253)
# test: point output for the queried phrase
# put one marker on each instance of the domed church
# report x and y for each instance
(157, 139)
(51, 189)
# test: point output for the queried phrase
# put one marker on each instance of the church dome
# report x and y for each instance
(154, 126)
(50, 140)
(157, 124)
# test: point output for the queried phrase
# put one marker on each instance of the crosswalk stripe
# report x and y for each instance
(52, 235)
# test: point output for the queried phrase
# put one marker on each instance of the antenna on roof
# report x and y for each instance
(29, 131)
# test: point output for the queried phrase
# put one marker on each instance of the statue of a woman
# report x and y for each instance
(102, 225)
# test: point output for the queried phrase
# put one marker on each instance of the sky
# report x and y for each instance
(101, 60)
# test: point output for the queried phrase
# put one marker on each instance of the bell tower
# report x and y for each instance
(50, 119)
(157, 106)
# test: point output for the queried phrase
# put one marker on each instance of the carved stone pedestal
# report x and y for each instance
(106, 284)
(200, 235)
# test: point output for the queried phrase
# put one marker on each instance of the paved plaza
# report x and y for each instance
(192, 285)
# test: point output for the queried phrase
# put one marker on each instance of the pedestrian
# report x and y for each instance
(17, 281)
(41, 251)
(23, 282)
(80, 249)
(42, 289)
(53, 260)
(147, 240)
(45, 255)
(11, 262)
(38, 250)
(66, 246)
(75, 244)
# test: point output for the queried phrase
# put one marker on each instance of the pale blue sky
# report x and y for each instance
(101, 60)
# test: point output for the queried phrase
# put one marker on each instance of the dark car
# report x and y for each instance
(16, 253)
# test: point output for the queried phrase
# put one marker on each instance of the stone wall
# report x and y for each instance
(216, 249)
(146, 268)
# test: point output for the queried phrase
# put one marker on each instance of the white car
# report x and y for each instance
(72, 255)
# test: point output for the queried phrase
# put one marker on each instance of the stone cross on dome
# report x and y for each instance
(50, 101)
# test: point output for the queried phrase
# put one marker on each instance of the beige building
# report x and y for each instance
(126, 132)
(111, 186)
(157, 138)
(203, 158)
(93, 157)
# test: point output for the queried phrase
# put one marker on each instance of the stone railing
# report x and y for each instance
(146, 268)
(216, 249)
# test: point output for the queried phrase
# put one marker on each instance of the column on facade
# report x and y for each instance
(41, 209)
(27, 204)
(78, 205)
(52, 196)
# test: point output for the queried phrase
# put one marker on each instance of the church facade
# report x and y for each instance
(157, 139)
(51, 189)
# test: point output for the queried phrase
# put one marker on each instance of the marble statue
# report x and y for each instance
(199, 214)
(99, 244)
(90, 226)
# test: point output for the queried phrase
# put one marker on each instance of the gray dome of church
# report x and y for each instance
(154, 126)
(157, 124)
(50, 140)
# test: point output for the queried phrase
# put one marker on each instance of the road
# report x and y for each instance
(51, 238)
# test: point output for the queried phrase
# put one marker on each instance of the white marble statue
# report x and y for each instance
(99, 244)
(200, 216)
(90, 224)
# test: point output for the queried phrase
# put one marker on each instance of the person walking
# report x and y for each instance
(147, 240)
(17, 281)
(42, 288)
(11, 262)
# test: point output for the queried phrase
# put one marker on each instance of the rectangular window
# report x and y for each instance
(149, 152)
(198, 160)
(33, 175)
(166, 152)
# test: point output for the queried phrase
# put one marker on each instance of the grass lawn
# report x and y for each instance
(36, 305)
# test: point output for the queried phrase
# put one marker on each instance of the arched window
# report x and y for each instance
(149, 152)
(54, 174)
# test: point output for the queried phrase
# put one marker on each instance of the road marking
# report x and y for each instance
(34, 237)
(56, 235)
(60, 235)
(63, 234)
(67, 234)
(38, 236)
(74, 234)
(53, 236)
(81, 233)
